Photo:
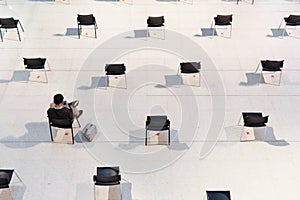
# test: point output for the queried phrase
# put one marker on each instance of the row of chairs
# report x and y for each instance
(162, 123)
(105, 177)
(268, 66)
(152, 23)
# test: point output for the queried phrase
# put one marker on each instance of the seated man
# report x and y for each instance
(60, 109)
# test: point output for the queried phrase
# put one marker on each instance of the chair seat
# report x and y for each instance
(5, 178)
(157, 123)
(35, 67)
(271, 69)
(218, 195)
(8, 23)
(155, 25)
(115, 73)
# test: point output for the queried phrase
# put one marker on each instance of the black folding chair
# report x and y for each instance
(5, 179)
(36, 64)
(86, 20)
(107, 176)
(222, 20)
(10, 23)
(190, 68)
(292, 20)
(61, 124)
(157, 123)
(253, 120)
(115, 70)
(271, 67)
(218, 195)
(156, 23)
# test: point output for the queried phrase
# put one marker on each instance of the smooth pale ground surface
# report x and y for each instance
(190, 166)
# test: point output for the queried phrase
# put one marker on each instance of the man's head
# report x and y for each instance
(58, 99)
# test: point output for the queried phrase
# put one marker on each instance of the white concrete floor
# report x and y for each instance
(205, 151)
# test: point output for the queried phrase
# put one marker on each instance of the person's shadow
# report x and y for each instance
(37, 132)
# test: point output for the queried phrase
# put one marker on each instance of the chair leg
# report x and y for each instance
(199, 79)
(72, 135)
(280, 78)
(214, 30)
(79, 125)
(283, 31)
(21, 26)
(257, 67)
(237, 2)
(252, 2)
(19, 34)
(164, 33)
(125, 82)
(51, 135)
(1, 35)
(107, 81)
(46, 75)
(169, 138)
(95, 31)
(78, 32)
(146, 138)
(230, 30)
(280, 24)
(18, 176)
(240, 119)
(94, 192)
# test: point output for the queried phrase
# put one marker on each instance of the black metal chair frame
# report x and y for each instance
(259, 114)
(164, 128)
(197, 67)
(237, 2)
(41, 66)
(110, 71)
(68, 126)
(214, 24)
(287, 23)
(263, 70)
(10, 174)
(15, 25)
(92, 23)
(160, 26)
(211, 193)
(107, 182)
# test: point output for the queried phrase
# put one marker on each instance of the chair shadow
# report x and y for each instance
(206, 32)
(142, 33)
(233, 134)
(84, 190)
(96, 82)
(126, 191)
(70, 32)
(37, 132)
(18, 76)
(18, 190)
(252, 79)
(136, 138)
(277, 33)
(173, 80)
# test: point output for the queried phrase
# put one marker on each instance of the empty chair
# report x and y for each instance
(61, 124)
(190, 68)
(222, 20)
(10, 23)
(157, 123)
(86, 20)
(156, 23)
(292, 20)
(36, 64)
(218, 195)
(271, 67)
(253, 120)
(5, 179)
(108, 176)
(115, 70)
(237, 2)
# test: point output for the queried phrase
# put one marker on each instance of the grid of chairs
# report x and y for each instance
(110, 176)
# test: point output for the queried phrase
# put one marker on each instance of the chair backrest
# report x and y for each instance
(107, 176)
(61, 123)
(223, 19)
(86, 19)
(115, 69)
(254, 119)
(272, 65)
(218, 195)
(159, 122)
(190, 67)
(34, 63)
(156, 21)
(8, 22)
(293, 19)
(5, 178)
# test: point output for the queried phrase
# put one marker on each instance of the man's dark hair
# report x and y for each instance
(58, 98)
